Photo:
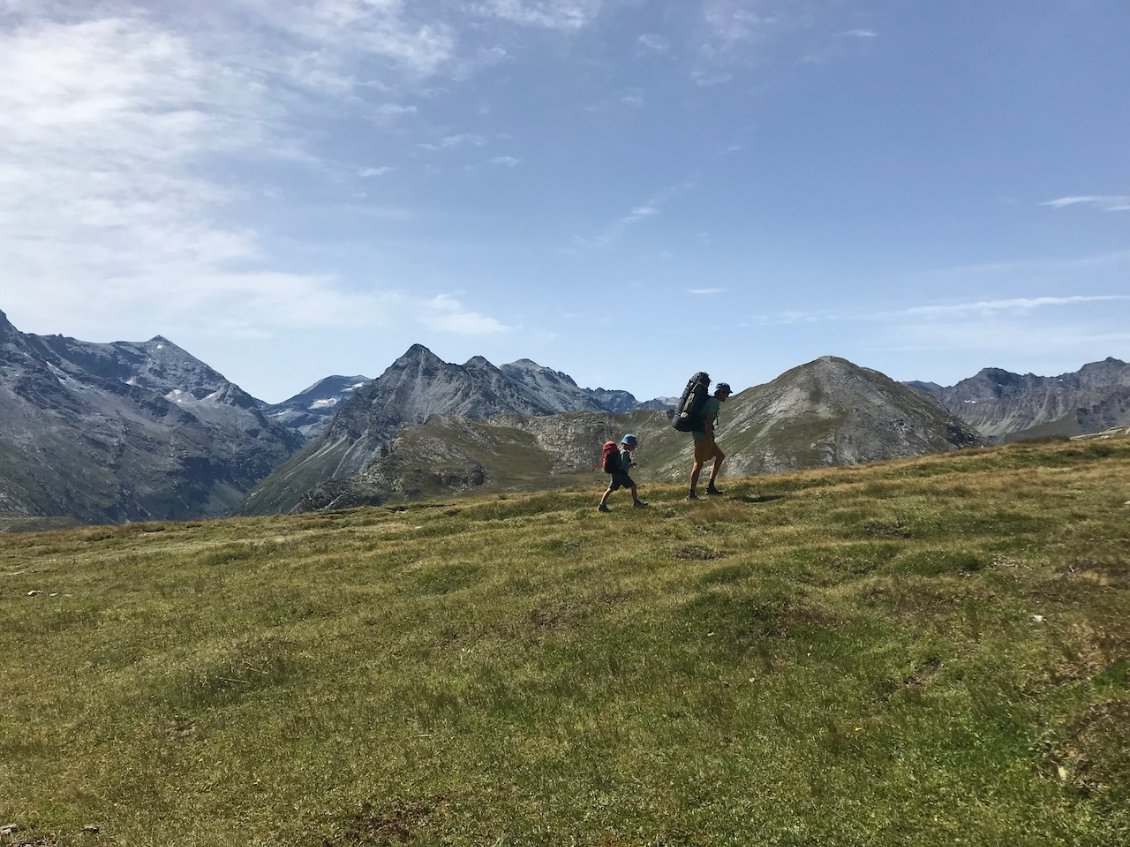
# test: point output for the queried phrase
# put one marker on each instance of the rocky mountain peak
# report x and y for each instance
(7, 331)
(479, 363)
(415, 357)
(528, 370)
(833, 361)
(1110, 369)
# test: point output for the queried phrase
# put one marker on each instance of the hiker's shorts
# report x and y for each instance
(706, 448)
(620, 479)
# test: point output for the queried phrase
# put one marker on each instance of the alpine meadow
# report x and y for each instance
(928, 651)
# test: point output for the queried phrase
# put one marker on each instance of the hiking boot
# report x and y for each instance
(712, 491)
(603, 508)
(639, 504)
(692, 496)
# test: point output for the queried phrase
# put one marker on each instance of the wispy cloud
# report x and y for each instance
(706, 291)
(939, 313)
(708, 77)
(638, 214)
(506, 161)
(653, 43)
(731, 23)
(561, 15)
(733, 37)
(1105, 202)
(1015, 305)
(444, 313)
(451, 142)
(390, 111)
(791, 317)
(114, 122)
(339, 35)
(619, 227)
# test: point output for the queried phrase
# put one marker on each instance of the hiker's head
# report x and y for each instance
(629, 441)
(722, 390)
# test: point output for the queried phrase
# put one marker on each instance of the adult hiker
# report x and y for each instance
(705, 447)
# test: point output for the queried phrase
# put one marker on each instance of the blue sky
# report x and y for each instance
(628, 191)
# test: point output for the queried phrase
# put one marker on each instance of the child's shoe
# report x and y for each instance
(603, 508)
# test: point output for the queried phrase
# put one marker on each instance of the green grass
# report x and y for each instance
(928, 652)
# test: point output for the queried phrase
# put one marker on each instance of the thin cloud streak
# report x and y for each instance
(979, 308)
(619, 227)
(1105, 202)
(1016, 304)
(561, 15)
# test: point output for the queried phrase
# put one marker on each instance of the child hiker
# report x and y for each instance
(617, 463)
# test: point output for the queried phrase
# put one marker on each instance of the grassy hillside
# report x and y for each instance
(926, 652)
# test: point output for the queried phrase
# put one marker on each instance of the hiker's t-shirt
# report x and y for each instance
(625, 460)
(709, 413)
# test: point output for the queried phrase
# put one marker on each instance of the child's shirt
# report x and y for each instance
(625, 460)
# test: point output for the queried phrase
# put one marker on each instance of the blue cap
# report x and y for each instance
(629, 439)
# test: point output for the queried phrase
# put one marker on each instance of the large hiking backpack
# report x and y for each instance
(688, 413)
(610, 457)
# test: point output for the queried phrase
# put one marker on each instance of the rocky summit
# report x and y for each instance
(1006, 406)
(125, 431)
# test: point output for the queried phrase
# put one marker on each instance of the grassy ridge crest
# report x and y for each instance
(925, 652)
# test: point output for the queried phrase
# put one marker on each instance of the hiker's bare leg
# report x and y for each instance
(718, 459)
(696, 469)
(604, 499)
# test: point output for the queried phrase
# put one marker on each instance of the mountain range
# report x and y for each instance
(124, 431)
(133, 431)
(1005, 406)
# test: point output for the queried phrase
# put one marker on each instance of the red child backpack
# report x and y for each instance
(610, 457)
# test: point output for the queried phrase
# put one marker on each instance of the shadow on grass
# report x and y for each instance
(758, 498)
